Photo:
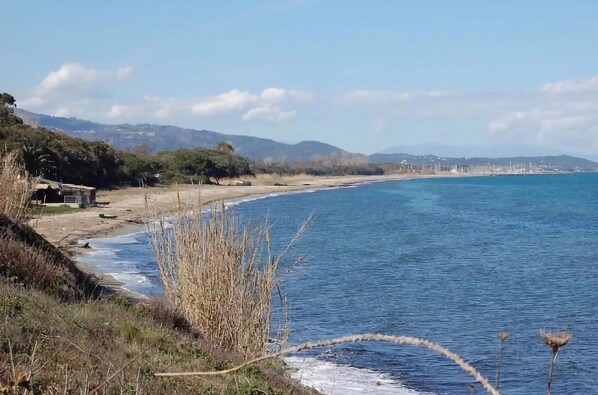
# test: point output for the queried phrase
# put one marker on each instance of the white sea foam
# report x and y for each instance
(330, 378)
(325, 376)
(130, 277)
(270, 195)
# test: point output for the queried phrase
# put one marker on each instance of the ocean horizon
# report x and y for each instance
(452, 260)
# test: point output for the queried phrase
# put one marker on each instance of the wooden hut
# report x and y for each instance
(49, 191)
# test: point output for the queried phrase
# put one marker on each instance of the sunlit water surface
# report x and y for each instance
(453, 260)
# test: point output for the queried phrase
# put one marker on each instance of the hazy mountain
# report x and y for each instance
(164, 137)
(466, 151)
(560, 162)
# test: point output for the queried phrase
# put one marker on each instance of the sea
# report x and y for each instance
(452, 260)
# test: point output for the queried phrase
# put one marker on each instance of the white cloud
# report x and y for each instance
(558, 124)
(278, 95)
(572, 86)
(234, 100)
(75, 75)
(266, 105)
(74, 89)
(70, 84)
(367, 97)
(270, 114)
(273, 94)
(62, 112)
(560, 115)
(117, 111)
(31, 103)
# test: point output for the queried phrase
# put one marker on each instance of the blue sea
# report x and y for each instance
(453, 260)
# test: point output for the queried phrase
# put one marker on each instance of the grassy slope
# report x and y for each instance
(66, 339)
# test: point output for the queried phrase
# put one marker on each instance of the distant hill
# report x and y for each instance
(560, 162)
(482, 151)
(164, 137)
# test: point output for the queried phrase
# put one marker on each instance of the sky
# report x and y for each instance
(361, 75)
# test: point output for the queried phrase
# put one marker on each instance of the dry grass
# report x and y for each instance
(62, 334)
(16, 187)
(111, 347)
(27, 267)
(220, 277)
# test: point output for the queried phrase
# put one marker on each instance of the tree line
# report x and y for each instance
(58, 156)
(55, 155)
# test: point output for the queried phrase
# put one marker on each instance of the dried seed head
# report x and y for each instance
(502, 336)
(555, 340)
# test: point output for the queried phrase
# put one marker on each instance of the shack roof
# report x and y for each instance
(77, 187)
(44, 183)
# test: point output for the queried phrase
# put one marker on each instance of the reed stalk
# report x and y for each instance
(16, 187)
(220, 276)
(413, 341)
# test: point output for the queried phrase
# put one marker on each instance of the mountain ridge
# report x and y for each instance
(167, 137)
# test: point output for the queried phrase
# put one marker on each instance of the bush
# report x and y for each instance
(17, 188)
(26, 266)
(215, 277)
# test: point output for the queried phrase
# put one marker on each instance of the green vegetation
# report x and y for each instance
(322, 168)
(58, 156)
(114, 346)
(55, 155)
(201, 164)
(52, 210)
(64, 333)
(7, 111)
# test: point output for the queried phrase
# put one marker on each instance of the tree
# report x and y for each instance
(8, 100)
(37, 161)
(141, 150)
(225, 147)
(7, 111)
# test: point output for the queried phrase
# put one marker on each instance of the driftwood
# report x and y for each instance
(107, 216)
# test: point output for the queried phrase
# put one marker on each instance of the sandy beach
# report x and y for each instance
(128, 204)
(129, 207)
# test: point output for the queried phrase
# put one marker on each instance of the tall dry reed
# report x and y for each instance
(16, 187)
(220, 276)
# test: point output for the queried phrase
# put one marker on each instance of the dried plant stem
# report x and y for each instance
(413, 341)
(550, 370)
(554, 340)
(500, 354)
(502, 336)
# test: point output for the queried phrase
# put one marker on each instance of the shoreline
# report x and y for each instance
(66, 231)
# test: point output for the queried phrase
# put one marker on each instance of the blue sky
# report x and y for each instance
(362, 75)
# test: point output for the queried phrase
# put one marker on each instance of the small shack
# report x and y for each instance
(49, 191)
